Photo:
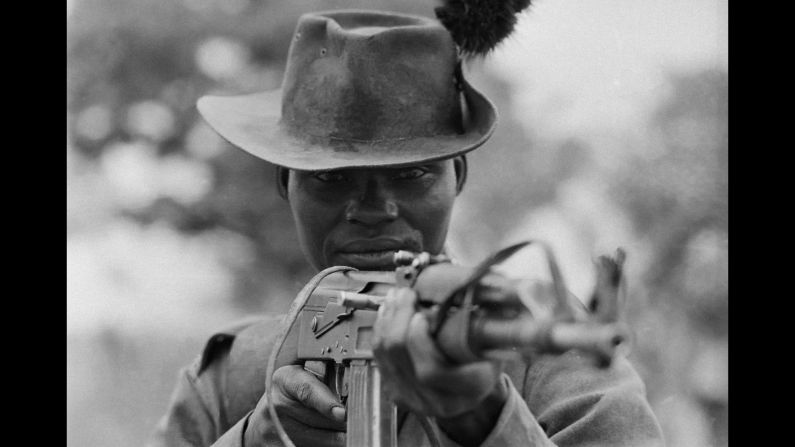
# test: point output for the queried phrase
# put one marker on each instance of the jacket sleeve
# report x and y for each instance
(565, 402)
(580, 405)
(198, 414)
(190, 420)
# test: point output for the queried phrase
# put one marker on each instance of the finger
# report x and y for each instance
(389, 346)
(308, 416)
(393, 320)
(390, 330)
(304, 436)
(434, 370)
(305, 427)
(303, 387)
(287, 407)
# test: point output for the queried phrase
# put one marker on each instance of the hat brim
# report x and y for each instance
(251, 122)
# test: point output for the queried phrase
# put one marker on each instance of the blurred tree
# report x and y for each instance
(677, 196)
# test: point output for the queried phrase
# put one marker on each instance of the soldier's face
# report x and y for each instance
(361, 217)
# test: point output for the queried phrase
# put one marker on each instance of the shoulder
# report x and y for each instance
(221, 341)
(229, 375)
(236, 335)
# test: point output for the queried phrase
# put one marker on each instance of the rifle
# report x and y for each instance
(474, 314)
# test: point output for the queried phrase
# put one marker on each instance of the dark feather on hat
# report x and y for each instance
(477, 26)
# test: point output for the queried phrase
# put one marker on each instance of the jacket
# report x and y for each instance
(555, 401)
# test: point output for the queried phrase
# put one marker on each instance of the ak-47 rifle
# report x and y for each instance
(475, 314)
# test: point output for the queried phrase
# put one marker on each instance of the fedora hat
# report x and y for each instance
(360, 89)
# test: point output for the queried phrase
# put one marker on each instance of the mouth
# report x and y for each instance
(372, 254)
(372, 260)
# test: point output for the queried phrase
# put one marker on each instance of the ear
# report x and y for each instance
(282, 177)
(460, 166)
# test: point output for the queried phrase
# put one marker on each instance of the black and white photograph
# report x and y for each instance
(397, 223)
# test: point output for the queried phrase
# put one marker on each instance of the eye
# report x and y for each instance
(330, 177)
(410, 173)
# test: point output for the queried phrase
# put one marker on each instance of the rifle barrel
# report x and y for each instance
(533, 336)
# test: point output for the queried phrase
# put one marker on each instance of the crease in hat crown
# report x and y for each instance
(360, 88)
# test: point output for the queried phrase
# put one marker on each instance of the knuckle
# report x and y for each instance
(283, 381)
(405, 295)
(278, 375)
(392, 346)
(419, 325)
(388, 340)
(283, 374)
(303, 392)
(404, 292)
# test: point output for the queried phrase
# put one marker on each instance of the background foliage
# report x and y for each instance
(172, 233)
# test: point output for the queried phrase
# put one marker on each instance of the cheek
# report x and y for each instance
(314, 221)
(432, 218)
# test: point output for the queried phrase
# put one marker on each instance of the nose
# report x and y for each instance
(373, 207)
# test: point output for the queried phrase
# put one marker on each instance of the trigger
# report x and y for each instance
(341, 383)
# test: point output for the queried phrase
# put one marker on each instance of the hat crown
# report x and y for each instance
(370, 76)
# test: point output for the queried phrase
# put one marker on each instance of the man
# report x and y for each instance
(369, 132)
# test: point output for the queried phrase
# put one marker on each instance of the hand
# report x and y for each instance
(418, 376)
(308, 410)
